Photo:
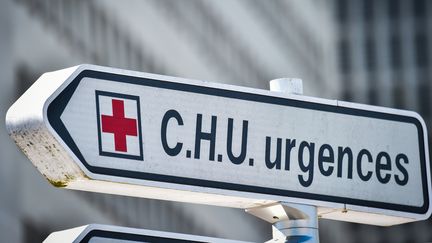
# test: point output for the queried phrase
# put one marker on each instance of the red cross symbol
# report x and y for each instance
(119, 125)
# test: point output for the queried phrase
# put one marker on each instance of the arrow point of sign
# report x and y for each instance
(27, 125)
(69, 235)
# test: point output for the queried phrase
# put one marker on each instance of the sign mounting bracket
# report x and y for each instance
(291, 222)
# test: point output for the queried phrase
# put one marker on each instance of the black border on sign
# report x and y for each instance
(127, 97)
(57, 106)
(115, 235)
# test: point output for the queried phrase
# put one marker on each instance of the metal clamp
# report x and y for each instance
(291, 222)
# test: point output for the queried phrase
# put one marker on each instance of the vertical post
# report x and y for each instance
(291, 222)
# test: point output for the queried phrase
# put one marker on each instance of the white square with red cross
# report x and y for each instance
(119, 125)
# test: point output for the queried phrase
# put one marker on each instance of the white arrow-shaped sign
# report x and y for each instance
(108, 130)
(96, 233)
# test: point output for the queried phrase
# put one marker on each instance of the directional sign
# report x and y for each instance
(96, 233)
(108, 130)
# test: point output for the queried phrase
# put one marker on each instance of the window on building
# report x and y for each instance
(399, 96)
(419, 8)
(424, 97)
(370, 55)
(395, 52)
(25, 76)
(368, 8)
(344, 56)
(347, 96)
(421, 46)
(393, 9)
(342, 10)
(372, 93)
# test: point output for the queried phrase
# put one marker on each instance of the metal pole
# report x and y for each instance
(291, 222)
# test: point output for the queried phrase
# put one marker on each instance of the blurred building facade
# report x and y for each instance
(384, 52)
(240, 42)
